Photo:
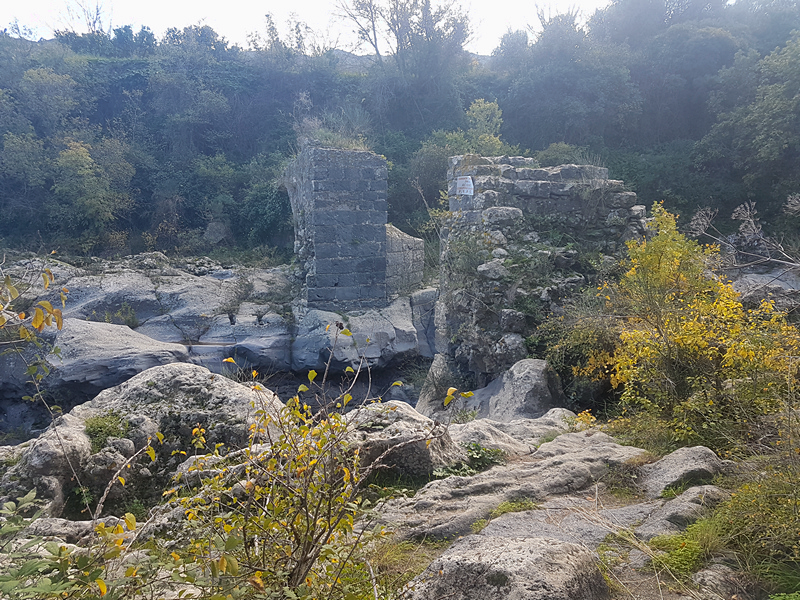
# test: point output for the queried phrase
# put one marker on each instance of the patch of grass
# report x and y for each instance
(511, 506)
(479, 459)
(395, 564)
(644, 430)
(673, 491)
(464, 416)
(102, 427)
(479, 525)
(549, 437)
(622, 479)
(681, 555)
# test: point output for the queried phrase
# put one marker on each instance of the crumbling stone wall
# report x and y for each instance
(513, 250)
(339, 206)
(580, 199)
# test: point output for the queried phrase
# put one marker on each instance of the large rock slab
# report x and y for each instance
(379, 336)
(483, 567)
(680, 512)
(447, 508)
(171, 399)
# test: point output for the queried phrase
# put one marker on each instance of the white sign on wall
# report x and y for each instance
(464, 186)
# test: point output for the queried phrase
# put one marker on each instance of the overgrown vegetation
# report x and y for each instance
(115, 141)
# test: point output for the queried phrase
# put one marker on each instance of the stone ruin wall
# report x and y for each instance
(482, 317)
(579, 199)
(350, 257)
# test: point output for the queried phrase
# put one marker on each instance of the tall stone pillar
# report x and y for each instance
(339, 206)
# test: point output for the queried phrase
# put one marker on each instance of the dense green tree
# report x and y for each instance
(571, 89)
(758, 139)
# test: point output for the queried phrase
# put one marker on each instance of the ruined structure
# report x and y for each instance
(350, 257)
(514, 246)
(580, 200)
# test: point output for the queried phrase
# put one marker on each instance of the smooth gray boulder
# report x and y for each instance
(697, 464)
(380, 427)
(379, 336)
(482, 567)
(171, 399)
(781, 285)
(179, 396)
(527, 390)
(570, 519)
(96, 356)
(49, 463)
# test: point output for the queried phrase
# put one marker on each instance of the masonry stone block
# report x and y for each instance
(339, 205)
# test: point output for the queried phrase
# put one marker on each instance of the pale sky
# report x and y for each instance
(235, 19)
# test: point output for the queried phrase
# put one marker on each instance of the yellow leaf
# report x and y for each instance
(346, 474)
(46, 280)
(467, 394)
(21, 316)
(328, 327)
(255, 373)
(397, 383)
(312, 374)
(175, 556)
(349, 370)
(302, 388)
(451, 391)
(257, 582)
(38, 319)
(346, 332)
(59, 318)
(102, 585)
(448, 400)
(229, 360)
(121, 480)
(130, 521)
(151, 453)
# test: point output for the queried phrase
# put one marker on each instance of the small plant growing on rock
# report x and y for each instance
(101, 427)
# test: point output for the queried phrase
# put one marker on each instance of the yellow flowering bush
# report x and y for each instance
(688, 350)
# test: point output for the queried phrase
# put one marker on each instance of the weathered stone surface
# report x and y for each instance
(172, 399)
(405, 261)
(521, 436)
(680, 512)
(96, 356)
(62, 529)
(720, 581)
(483, 567)
(339, 205)
(570, 519)
(493, 269)
(780, 285)
(379, 336)
(697, 464)
(179, 396)
(381, 427)
(447, 508)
